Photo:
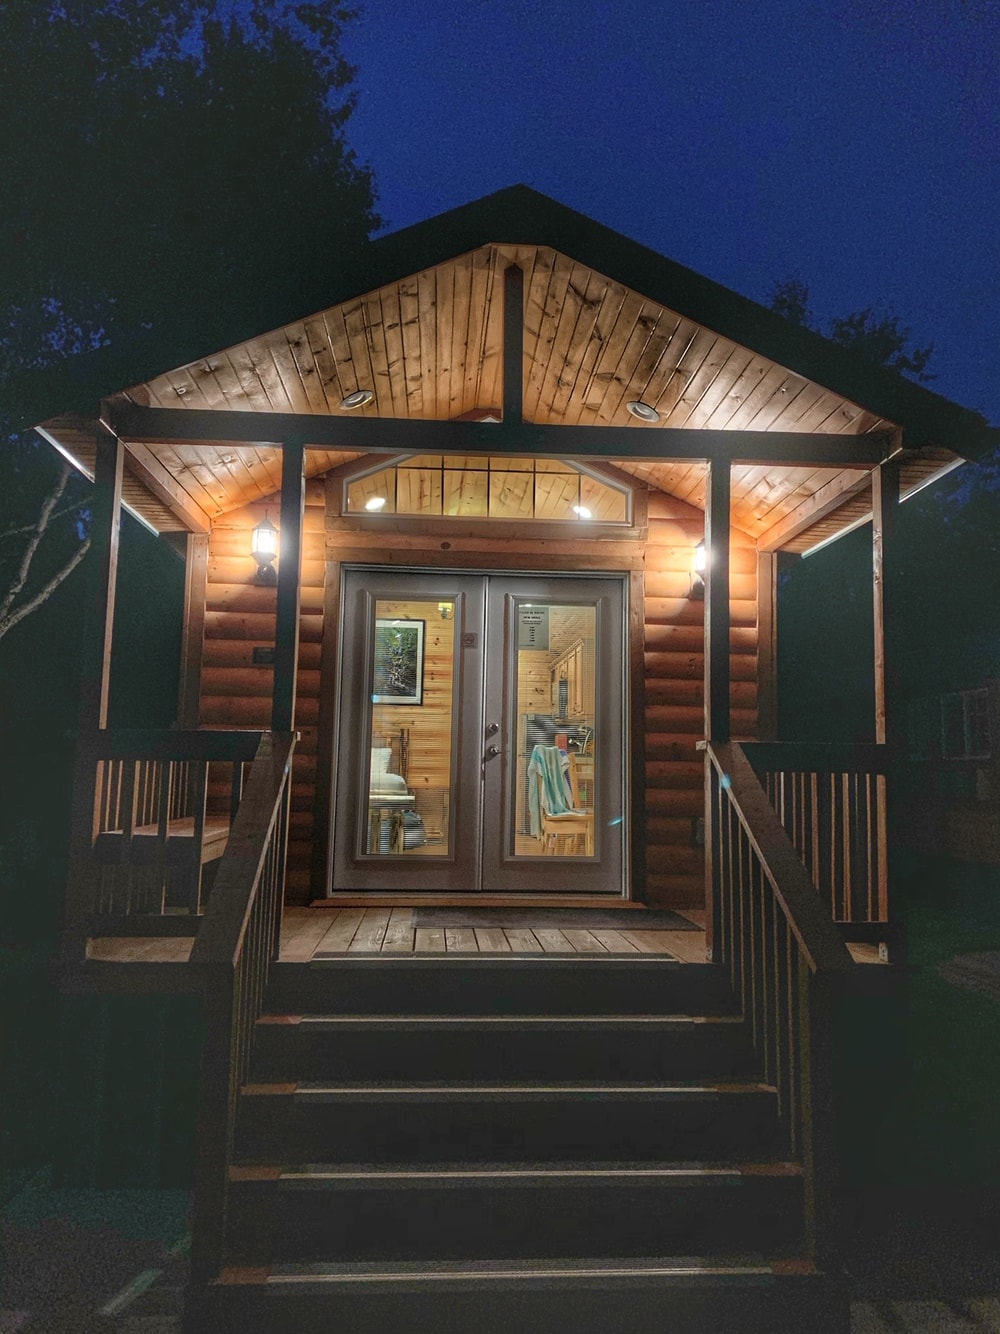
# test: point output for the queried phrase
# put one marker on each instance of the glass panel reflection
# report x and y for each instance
(412, 711)
(555, 729)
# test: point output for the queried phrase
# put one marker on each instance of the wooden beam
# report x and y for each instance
(102, 560)
(399, 434)
(148, 468)
(513, 345)
(329, 668)
(717, 496)
(286, 629)
(193, 632)
(767, 646)
(810, 511)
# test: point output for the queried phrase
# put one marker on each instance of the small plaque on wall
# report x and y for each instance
(263, 657)
(533, 627)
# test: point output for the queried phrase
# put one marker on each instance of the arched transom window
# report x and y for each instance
(494, 487)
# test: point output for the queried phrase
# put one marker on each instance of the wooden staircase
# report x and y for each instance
(539, 1143)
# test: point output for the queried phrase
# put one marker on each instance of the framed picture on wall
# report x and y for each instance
(399, 662)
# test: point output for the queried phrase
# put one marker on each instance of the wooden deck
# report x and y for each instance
(306, 932)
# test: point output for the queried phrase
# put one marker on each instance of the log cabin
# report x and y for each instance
(480, 613)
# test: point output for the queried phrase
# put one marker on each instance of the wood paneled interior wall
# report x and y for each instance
(239, 617)
(674, 664)
(428, 770)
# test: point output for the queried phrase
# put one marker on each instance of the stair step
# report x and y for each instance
(510, 1211)
(605, 1295)
(485, 985)
(582, 1046)
(504, 1121)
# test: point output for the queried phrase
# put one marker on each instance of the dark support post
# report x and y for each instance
(513, 344)
(767, 645)
(193, 634)
(888, 724)
(717, 602)
(102, 560)
(716, 671)
(286, 630)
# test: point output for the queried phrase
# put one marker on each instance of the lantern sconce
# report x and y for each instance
(699, 565)
(264, 548)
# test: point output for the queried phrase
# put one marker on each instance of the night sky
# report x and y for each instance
(855, 143)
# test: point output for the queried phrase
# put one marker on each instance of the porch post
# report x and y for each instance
(716, 671)
(286, 630)
(193, 632)
(102, 559)
(888, 724)
(717, 601)
(767, 645)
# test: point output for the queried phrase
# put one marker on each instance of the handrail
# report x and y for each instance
(233, 953)
(787, 964)
(810, 923)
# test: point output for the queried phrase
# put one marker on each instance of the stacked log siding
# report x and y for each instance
(239, 617)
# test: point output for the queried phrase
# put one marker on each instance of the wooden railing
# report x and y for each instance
(787, 965)
(232, 957)
(831, 800)
(152, 811)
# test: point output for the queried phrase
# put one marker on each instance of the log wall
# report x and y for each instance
(674, 667)
(240, 616)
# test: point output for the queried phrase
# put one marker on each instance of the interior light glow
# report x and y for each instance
(582, 512)
(375, 503)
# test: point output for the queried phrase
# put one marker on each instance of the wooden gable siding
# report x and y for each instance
(674, 670)
(239, 617)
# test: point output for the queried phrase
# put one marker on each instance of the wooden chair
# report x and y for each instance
(563, 832)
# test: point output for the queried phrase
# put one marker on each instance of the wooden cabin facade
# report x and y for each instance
(491, 460)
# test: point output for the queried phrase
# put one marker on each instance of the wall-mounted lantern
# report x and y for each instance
(264, 548)
(698, 568)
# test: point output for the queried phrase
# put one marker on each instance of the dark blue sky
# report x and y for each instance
(853, 142)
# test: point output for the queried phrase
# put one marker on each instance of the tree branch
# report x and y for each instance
(8, 622)
(19, 580)
(30, 527)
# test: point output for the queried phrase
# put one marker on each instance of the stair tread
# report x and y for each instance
(511, 1088)
(521, 1171)
(496, 1021)
(362, 1272)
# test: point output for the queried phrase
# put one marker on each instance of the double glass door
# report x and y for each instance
(481, 733)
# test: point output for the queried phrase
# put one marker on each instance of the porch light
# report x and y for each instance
(698, 568)
(264, 548)
(358, 399)
(375, 504)
(643, 411)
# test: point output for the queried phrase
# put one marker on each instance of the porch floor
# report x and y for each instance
(306, 932)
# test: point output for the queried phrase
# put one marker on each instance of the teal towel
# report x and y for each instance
(553, 765)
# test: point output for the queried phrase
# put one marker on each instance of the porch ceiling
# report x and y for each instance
(430, 347)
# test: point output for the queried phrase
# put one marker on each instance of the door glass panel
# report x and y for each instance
(554, 718)
(412, 709)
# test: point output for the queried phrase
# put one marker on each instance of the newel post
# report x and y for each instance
(717, 501)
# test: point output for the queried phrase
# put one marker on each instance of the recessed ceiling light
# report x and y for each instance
(643, 411)
(582, 512)
(356, 400)
(376, 503)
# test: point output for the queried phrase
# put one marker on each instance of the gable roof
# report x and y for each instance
(606, 319)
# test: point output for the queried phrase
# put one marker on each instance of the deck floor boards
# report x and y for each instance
(307, 932)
